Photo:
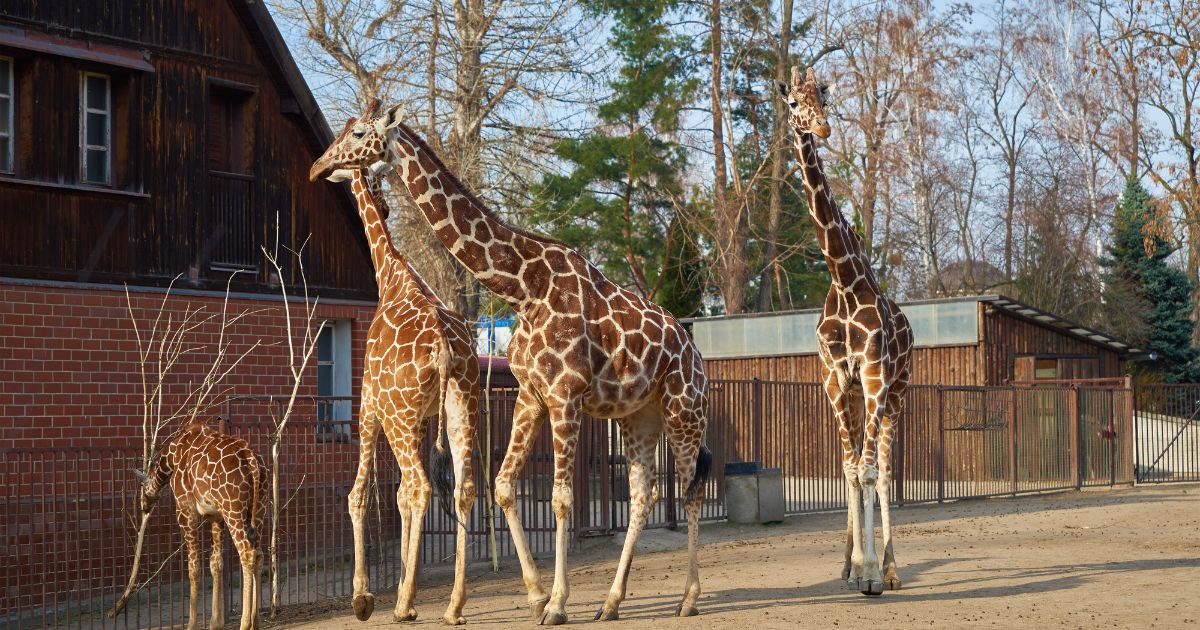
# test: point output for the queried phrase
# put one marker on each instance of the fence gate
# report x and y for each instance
(1167, 428)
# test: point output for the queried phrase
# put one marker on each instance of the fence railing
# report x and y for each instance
(1167, 418)
(68, 514)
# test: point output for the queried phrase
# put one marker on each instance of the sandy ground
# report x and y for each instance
(1122, 558)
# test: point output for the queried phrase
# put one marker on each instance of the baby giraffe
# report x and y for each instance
(217, 479)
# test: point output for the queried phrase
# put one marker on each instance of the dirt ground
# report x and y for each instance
(1124, 558)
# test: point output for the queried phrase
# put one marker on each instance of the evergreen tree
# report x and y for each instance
(621, 195)
(1147, 300)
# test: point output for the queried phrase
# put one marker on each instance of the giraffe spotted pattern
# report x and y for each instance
(419, 361)
(582, 345)
(864, 343)
(216, 479)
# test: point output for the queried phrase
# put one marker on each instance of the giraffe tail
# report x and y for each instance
(441, 466)
(703, 468)
(251, 517)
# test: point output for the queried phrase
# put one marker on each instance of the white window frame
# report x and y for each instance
(339, 331)
(84, 110)
(9, 93)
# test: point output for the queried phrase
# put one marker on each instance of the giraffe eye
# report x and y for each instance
(358, 134)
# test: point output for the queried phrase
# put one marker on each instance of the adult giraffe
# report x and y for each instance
(865, 344)
(419, 361)
(582, 345)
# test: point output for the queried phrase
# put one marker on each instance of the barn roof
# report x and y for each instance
(267, 37)
(936, 322)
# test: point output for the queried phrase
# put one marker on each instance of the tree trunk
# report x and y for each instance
(779, 147)
(731, 246)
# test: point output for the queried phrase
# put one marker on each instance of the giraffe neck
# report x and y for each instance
(370, 197)
(157, 478)
(843, 251)
(489, 249)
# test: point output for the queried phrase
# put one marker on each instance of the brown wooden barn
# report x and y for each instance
(976, 340)
(141, 141)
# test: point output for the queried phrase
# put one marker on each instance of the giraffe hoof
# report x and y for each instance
(454, 621)
(686, 611)
(553, 619)
(364, 605)
(852, 584)
(538, 607)
(411, 615)
(605, 614)
(891, 583)
(871, 588)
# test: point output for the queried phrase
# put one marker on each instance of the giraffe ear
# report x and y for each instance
(391, 117)
(796, 75)
(810, 75)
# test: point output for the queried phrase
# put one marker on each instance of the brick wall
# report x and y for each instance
(69, 373)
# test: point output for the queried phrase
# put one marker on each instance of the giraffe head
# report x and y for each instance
(363, 143)
(806, 103)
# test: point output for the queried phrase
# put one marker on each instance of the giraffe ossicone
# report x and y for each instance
(419, 361)
(582, 345)
(865, 346)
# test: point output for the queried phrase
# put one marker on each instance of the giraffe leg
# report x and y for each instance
(419, 490)
(891, 580)
(404, 502)
(248, 556)
(564, 422)
(216, 566)
(461, 402)
(685, 468)
(847, 409)
(528, 416)
(871, 582)
(849, 546)
(640, 432)
(191, 537)
(368, 431)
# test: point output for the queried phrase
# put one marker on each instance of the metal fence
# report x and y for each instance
(68, 515)
(1168, 433)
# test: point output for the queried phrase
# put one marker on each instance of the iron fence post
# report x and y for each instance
(756, 418)
(941, 452)
(898, 470)
(1012, 437)
(1076, 438)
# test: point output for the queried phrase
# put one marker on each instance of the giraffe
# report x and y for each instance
(582, 345)
(419, 361)
(865, 343)
(217, 479)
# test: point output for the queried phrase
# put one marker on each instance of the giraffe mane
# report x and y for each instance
(415, 138)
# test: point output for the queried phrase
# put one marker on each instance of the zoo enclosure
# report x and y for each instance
(67, 533)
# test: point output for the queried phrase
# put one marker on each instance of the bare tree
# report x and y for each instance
(162, 351)
(300, 348)
(491, 79)
(1172, 30)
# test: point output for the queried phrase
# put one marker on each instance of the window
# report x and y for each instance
(1045, 369)
(333, 382)
(6, 115)
(95, 131)
(225, 134)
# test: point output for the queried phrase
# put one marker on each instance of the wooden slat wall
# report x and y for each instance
(951, 365)
(1006, 337)
(1003, 338)
(61, 233)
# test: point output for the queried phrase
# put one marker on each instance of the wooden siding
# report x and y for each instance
(1006, 337)
(166, 214)
(950, 365)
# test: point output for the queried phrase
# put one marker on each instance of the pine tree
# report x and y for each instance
(620, 197)
(1145, 299)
